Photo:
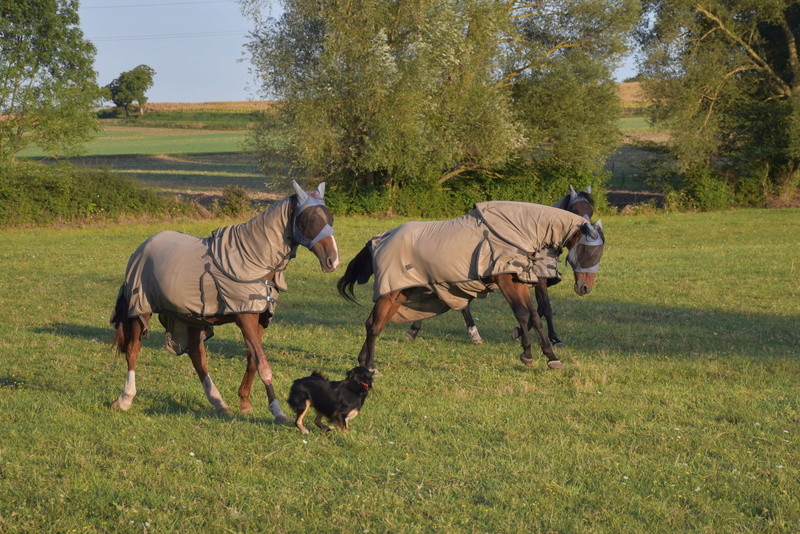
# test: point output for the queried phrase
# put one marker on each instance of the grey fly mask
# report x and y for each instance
(585, 256)
(305, 201)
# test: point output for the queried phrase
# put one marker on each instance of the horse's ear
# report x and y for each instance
(572, 193)
(599, 224)
(589, 189)
(302, 196)
(591, 230)
(321, 190)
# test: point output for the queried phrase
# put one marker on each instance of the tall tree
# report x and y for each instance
(131, 87)
(47, 80)
(725, 77)
(385, 93)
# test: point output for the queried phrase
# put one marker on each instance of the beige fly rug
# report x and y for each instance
(448, 262)
(186, 279)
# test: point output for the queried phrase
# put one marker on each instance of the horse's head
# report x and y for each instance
(585, 252)
(313, 226)
(579, 203)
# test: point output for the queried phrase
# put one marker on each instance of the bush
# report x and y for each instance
(235, 201)
(541, 182)
(708, 190)
(40, 194)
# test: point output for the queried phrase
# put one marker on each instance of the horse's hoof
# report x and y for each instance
(477, 341)
(559, 344)
(246, 409)
(555, 364)
(527, 360)
(281, 419)
(410, 336)
(117, 405)
(375, 373)
(516, 332)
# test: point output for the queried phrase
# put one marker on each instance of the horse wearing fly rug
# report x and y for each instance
(423, 269)
(233, 276)
(546, 272)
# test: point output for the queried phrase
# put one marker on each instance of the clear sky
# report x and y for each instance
(195, 47)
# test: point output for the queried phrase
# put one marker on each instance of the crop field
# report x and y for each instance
(124, 140)
(678, 409)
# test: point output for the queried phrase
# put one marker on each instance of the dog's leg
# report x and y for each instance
(298, 422)
(320, 424)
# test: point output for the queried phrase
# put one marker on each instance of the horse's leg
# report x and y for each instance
(197, 352)
(472, 330)
(247, 384)
(411, 335)
(545, 310)
(129, 341)
(382, 311)
(519, 298)
(252, 331)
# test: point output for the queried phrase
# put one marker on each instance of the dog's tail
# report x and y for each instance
(359, 270)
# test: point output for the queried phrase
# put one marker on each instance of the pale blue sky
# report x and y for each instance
(195, 46)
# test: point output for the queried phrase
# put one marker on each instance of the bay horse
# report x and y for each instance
(502, 259)
(194, 284)
(578, 203)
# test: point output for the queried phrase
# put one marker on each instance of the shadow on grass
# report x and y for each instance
(193, 172)
(592, 325)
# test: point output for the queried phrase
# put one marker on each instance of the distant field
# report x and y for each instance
(247, 106)
(631, 95)
(199, 173)
(118, 140)
(200, 148)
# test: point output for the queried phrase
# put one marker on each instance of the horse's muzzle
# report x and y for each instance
(584, 282)
(327, 253)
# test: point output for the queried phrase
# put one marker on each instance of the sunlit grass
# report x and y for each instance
(678, 410)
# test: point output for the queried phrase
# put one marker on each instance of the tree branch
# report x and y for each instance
(762, 64)
(794, 60)
(455, 172)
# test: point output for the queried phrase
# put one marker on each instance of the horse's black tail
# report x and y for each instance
(358, 271)
(118, 317)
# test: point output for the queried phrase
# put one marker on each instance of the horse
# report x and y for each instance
(423, 269)
(233, 276)
(578, 203)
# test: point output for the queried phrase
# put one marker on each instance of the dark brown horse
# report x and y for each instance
(578, 203)
(195, 284)
(583, 239)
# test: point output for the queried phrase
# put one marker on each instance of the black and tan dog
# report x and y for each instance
(339, 401)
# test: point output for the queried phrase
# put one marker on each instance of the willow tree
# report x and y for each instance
(389, 94)
(47, 80)
(725, 77)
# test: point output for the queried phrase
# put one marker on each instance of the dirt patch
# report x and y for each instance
(622, 199)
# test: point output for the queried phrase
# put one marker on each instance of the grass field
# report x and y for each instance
(123, 140)
(678, 410)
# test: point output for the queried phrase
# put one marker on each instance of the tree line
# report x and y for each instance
(415, 105)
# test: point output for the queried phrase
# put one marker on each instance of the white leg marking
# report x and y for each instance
(128, 392)
(213, 395)
(474, 335)
(336, 248)
(277, 412)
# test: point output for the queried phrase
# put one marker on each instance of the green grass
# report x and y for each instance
(203, 120)
(118, 140)
(678, 410)
(634, 123)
